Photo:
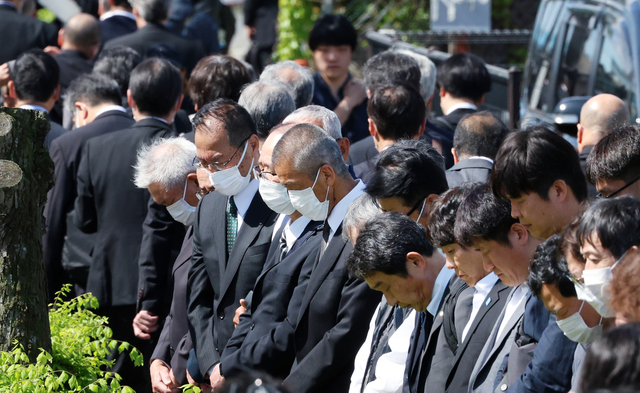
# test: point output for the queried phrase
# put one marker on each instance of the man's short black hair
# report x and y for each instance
(616, 221)
(442, 219)
(382, 246)
(118, 63)
(410, 170)
(156, 86)
(234, 118)
(548, 268)
(616, 156)
(479, 134)
(92, 89)
(391, 68)
(217, 76)
(483, 216)
(464, 75)
(333, 30)
(397, 111)
(36, 75)
(532, 160)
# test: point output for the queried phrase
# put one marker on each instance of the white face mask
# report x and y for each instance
(306, 202)
(276, 197)
(181, 211)
(424, 203)
(594, 290)
(229, 181)
(577, 330)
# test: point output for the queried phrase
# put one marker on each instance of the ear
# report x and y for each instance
(580, 131)
(178, 103)
(558, 190)
(520, 233)
(430, 199)
(56, 93)
(61, 37)
(422, 128)
(344, 144)
(373, 130)
(12, 89)
(430, 101)
(416, 262)
(480, 101)
(195, 106)
(443, 92)
(82, 109)
(130, 100)
(456, 159)
(329, 175)
(368, 94)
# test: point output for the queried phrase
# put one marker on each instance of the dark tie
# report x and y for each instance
(326, 231)
(232, 224)
(283, 245)
(464, 307)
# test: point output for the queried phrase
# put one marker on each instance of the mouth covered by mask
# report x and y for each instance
(181, 211)
(306, 202)
(595, 289)
(229, 181)
(276, 197)
(576, 330)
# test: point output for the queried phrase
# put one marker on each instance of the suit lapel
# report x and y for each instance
(184, 255)
(219, 220)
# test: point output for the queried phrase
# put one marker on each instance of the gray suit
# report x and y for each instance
(469, 170)
(489, 362)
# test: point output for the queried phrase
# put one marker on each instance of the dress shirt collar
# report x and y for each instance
(111, 108)
(152, 117)
(293, 230)
(442, 281)
(8, 4)
(485, 285)
(244, 197)
(340, 209)
(113, 13)
(462, 105)
(34, 108)
(481, 158)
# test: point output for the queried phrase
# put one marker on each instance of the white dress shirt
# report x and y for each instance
(113, 13)
(482, 289)
(34, 108)
(340, 209)
(243, 200)
(114, 108)
(462, 105)
(292, 231)
(517, 297)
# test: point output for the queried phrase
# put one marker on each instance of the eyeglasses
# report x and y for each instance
(613, 194)
(217, 166)
(264, 174)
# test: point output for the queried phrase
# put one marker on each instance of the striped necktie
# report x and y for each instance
(232, 224)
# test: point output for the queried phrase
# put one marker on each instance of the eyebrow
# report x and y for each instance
(377, 285)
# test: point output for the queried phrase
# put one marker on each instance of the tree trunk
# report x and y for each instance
(26, 174)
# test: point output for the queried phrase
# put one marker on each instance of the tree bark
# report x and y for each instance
(26, 174)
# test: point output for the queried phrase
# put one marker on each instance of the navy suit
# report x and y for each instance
(116, 26)
(469, 170)
(444, 130)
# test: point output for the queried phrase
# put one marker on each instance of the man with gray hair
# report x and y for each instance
(297, 77)
(150, 16)
(268, 103)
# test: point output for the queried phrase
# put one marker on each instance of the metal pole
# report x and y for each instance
(513, 100)
(327, 7)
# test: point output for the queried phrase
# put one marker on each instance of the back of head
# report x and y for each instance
(442, 218)
(603, 113)
(547, 267)
(126, 4)
(93, 90)
(166, 161)
(464, 75)
(410, 170)
(359, 213)
(391, 68)
(397, 111)
(384, 243)
(152, 11)
(615, 221)
(616, 156)
(333, 30)
(268, 103)
(532, 160)
(215, 77)
(318, 115)
(306, 148)
(483, 216)
(82, 31)
(234, 119)
(35, 75)
(156, 86)
(427, 72)
(613, 361)
(118, 63)
(479, 134)
(297, 77)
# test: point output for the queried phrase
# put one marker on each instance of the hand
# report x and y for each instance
(216, 379)
(251, 31)
(354, 93)
(239, 311)
(5, 77)
(162, 378)
(144, 324)
(52, 50)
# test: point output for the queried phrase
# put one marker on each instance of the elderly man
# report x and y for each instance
(268, 103)
(297, 77)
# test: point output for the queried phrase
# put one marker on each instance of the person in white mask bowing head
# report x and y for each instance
(232, 231)
(606, 231)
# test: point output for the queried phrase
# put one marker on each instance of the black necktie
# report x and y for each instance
(326, 231)
(283, 245)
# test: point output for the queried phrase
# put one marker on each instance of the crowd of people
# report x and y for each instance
(283, 231)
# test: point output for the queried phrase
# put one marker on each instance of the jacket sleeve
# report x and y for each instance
(85, 214)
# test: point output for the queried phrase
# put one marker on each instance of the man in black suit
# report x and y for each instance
(260, 19)
(117, 64)
(80, 41)
(475, 144)
(109, 204)
(149, 17)
(34, 85)
(233, 229)
(95, 101)
(24, 32)
(116, 19)
(463, 80)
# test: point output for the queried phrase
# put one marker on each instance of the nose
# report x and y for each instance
(515, 210)
(390, 300)
(449, 261)
(486, 262)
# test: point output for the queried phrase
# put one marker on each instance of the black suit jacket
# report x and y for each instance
(361, 151)
(263, 15)
(109, 204)
(175, 342)
(116, 26)
(583, 165)
(469, 170)
(332, 322)
(56, 131)
(217, 282)
(66, 152)
(21, 33)
(469, 350)
(271, 294)
(72, 64)
(190, 52)
(444, 130)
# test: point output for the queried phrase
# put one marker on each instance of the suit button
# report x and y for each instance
(221, 316)
(253, 325)
(503, 387)
(216, 351)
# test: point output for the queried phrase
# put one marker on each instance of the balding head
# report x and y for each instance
(270, 143)
(599, 115)
(478, 134)
(82, 33)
